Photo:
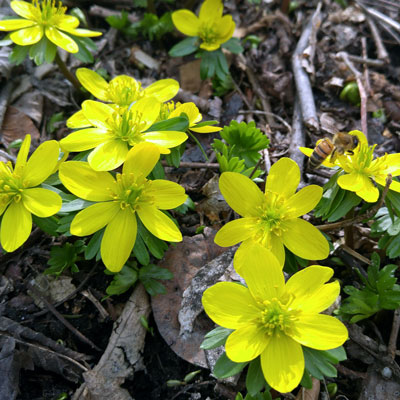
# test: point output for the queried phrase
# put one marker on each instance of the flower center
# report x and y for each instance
(277, 317)
(131, 191)
(48, 12)
(208, 32)
(127, 126)
(11, 189)
(124, 90)
(165, 110)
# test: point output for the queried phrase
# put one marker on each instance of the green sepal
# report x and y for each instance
(185, 47)
(224, 367)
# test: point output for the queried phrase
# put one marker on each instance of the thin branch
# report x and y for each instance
(381, 51)
(193, 165)
(8, 156)
(394, 334)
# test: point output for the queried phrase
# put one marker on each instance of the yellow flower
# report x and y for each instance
(193, 113)
(272, 219)
(119, 200)
(44, 18)
(122, 91)
(274, 320)
(114, 132)
(20, 196)
(361, 169)
(212, 28)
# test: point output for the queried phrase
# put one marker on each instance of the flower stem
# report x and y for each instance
(67, 73)
(198, 144)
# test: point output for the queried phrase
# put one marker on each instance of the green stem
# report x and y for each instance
(198, 144)
(67, 73)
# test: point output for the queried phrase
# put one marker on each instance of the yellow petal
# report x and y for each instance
(186, 22)
(62, 40)
(361, 137)
(23, 152)
(352, 182)
(241, 193)
(24, 9)
(78, 120)
(190, 110)
(118, 240)
(149, 109)
(81, 32)
(97, 113)
(230, 305)
(282, 363)
(68, 21)
(278, 250)
(368, 192)
(162, 90)
(246, 343)
(167, 195)
(41, 164)
(319, 331)
(283, 177)
(13, 24)
(254, 262)
(211, 9)
(93, 83)
(84, 139)
(16, 226)
(108, 156)
(166, 139)
(210, 46)
(27, 36)
(158, 223)
(206, 129)
(304, 240)
(41, 202)
(393, 161)
(236, 231)
(94, 218)
(141, 159)
(304, 200)
(226, 27)
(81, 180)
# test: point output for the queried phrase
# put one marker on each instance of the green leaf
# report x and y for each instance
(85, 44)
(122, 281)
(153, 287)
(255, 378)
(209, 62)
(306, 380)
(185, 47)
(93, 247)
(215, 338)
(155, 272)
(75, 205)
(118, 22)
(54, 121)
(393, 249)
(63, 257)
(18, 54)
(187, 205)
(224, 367)
(156, 246)
(48, 225)
(233, 45)
(173, 124)
(140, 251)
(349, 201)
(319, 363)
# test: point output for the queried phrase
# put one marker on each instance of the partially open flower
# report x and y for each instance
(212, 28)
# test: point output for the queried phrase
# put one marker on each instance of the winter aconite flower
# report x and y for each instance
(272, 218)
(114, 132)
(121, 91)
(274, 320)
(45, 18)
(20, 194)
(361, 169)
(120, 200)
(212, 28)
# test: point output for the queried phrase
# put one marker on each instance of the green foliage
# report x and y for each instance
(123, 280)
(255, 380)
(224, 367)
(213, 63)
(215, 338)
(351, 94)
(55, 121)
(335, 202)
(321, 363)
(222, 86)
(150, 27)
(63, 257)
(387, 228)
(233, 45)
(185, 47)
(186, 206)
(240, 152)
(379, 291)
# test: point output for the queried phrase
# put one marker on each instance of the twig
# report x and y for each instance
(366, 72)
(367, 61)
(380, 16)
(353, 253)
(4, 99)
(381, 51)
(298, 138)
(257, 89)
(102, 311)
(287, 126)
(368, 215)
(61, 318)
(386, 28)
(302, 80)
(193, 165)
(8, 156)
(393, 334)
(363, 94)
(255, 167)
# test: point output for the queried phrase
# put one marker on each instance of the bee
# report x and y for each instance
(341, 143)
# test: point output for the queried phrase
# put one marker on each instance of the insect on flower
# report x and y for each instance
(341, 143)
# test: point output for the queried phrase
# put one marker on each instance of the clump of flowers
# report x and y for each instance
(20, 194)
(114, 132)
(120, 200)
(45, 20)
(272, 218)
(274, 320)
(361, 169)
